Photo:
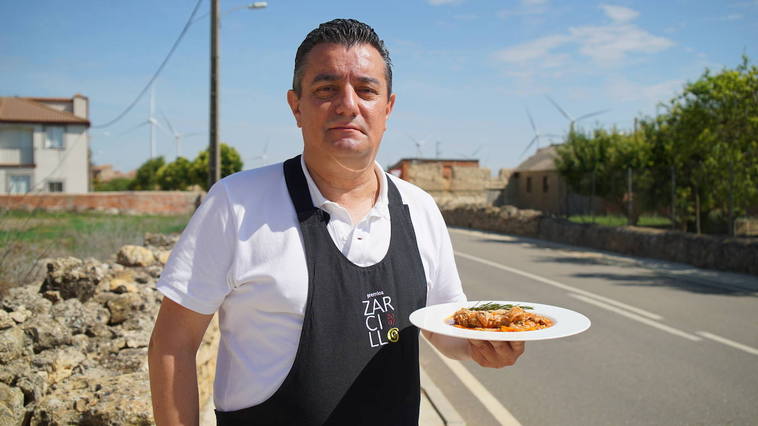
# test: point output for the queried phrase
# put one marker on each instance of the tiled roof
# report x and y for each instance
(543, 159)
(25, 110)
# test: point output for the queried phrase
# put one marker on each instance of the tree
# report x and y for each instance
(175, 176)
(596, 164)
(712, 138)
(231, 162)
(145, 178)
(115, 184)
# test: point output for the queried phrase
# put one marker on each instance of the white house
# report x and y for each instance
(44, 145)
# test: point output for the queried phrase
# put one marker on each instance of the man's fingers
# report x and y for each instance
(495, 354)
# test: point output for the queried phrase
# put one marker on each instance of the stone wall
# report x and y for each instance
(704, 251)
(125, 202)
(454, 185)
(73, 349)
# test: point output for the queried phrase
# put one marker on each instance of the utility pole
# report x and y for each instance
(214, 157)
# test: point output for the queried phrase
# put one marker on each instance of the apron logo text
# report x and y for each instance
(374, 308)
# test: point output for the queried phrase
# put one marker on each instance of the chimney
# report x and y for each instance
(81, 106)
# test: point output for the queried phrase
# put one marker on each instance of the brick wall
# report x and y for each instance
(125, 202)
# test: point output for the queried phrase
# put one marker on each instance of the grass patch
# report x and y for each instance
(28, 237)
(652, 221)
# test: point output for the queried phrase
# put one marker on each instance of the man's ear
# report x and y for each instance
(390, 105)
(294, 102)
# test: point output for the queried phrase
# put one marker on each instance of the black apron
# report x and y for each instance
(357, 360)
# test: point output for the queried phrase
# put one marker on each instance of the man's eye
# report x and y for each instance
(367, 91)
(325, 91)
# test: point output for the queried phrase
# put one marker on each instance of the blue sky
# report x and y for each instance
(464, 70)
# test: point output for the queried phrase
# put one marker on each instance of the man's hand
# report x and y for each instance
(495, 354)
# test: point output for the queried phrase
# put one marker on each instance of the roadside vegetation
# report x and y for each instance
(28, 237)
(650, 221)
(695, 161)
(178, 175)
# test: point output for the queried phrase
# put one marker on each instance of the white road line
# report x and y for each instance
(635, 309)
(728, 342)
(500, 413)
(646, 321)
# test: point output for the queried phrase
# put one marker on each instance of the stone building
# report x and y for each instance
(452, 181)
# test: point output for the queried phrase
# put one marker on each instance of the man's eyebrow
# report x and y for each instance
(325, 77)
(334, 77)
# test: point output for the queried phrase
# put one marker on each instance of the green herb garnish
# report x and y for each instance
(491, 306)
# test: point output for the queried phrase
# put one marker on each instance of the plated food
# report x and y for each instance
(500, 320)
(497, 317)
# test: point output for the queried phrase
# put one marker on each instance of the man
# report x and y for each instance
(314, 266)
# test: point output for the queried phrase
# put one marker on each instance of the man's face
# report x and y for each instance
(343, 106)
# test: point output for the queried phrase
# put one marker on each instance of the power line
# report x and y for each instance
(157, 72)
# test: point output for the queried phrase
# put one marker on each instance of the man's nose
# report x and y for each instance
(347, 102)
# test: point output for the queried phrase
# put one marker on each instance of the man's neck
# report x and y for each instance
(354, 189)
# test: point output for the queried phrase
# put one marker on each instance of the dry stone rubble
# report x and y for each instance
(73, 349)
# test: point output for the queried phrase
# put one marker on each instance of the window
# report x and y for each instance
(19, 184)
(54, 186)
(54, 137)
(528, 184)
(545, 185)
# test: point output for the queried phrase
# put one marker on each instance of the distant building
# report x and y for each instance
(44, 145)
(106, 173)
(451, 181)
(536, 184)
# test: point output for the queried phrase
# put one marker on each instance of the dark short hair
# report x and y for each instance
(347, 32)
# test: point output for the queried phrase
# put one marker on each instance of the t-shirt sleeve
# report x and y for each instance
(446, 283)
(196, 275)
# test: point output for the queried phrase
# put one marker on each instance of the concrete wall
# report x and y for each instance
(127, 202)
(721, 253)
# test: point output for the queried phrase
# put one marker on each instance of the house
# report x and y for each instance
(450, 181)
(44, 145)
(536, 184)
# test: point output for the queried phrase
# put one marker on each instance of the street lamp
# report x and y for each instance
(214, 157)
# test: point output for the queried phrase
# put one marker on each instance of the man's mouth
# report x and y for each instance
(357, 129)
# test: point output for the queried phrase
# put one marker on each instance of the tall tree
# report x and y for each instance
(713, 127)
(231, 162)
(145, 178)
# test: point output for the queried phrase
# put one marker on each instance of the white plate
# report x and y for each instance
(439, 319)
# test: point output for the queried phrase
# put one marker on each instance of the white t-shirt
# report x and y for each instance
(242, 255)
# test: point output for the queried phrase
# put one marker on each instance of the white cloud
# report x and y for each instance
(625, 90)
(619, 13)
(441, 2)
(610, 44)
(605, 44)
(733, 17)
(526, 8)
(537, 49)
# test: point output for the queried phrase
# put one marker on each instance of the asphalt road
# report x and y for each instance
(669, 344)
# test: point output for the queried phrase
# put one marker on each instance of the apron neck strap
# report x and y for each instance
(298, 187)
(301, 196)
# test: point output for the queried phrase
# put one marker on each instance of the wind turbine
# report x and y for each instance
(537, 135)
(151, 121)
(177, 135)
(419, 144)
(572, 120)
(473, 153)
(263, 156)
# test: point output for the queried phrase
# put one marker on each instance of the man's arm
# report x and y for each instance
(171, 355)
(484, 353)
